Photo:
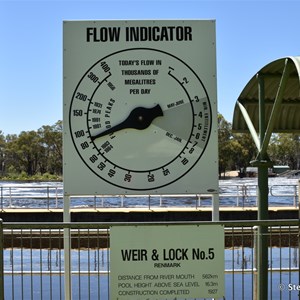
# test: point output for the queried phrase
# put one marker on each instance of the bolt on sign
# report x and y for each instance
(167, 262)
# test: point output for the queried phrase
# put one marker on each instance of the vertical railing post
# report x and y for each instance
(1, 198)
(1, 261)
(295, 197)
(56, 199)
(48, 198)
(95, 201)
(198, 201)
(10, 200)
(215, 207)
(299, 198)
(67, 250)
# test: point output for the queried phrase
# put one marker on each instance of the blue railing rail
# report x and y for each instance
(32, 266)
(51, 197)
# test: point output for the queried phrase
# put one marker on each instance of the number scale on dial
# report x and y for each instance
(140, 119)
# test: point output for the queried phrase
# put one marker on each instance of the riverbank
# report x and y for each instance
(35, 178)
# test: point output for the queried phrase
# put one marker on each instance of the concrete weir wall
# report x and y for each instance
(37, 239)
(142, 215)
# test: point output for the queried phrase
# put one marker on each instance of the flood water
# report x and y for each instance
(38, 273)
(233, 192)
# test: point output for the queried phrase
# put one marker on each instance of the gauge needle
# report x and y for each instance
(139, 118)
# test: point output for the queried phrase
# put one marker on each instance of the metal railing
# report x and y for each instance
(51, 197)
(32, 259)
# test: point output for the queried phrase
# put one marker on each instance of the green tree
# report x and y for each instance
(10, 161)
(224, 144)
(27, 149)
(51, 143)
(243, 151)
(284, 150)
(2, 153)
(35, 152)
(235, 150)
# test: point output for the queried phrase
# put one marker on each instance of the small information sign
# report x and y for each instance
(167, 262)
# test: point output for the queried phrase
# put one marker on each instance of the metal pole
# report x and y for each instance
(67, 250)
(299, 236)
(1, 198)
(299, 203)
(215, 207)
(262, 197)
(1, 261)
(262, 243)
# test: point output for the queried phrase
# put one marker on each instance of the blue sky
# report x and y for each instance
(249, 35)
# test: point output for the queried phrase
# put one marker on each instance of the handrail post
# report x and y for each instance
(10, 197)
(56, 200)
(215, 207)
(1, 198)
(295, 196)
(48, 199)
(299, 197)
(67, 250)
(95, 200)
(1, 261)
(244, 195)
(198, 201)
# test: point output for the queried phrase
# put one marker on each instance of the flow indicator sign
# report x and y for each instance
(140, 107)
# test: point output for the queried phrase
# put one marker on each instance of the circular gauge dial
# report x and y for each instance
(140, 118)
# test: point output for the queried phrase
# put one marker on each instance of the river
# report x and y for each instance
(233, 192)
(29, 272)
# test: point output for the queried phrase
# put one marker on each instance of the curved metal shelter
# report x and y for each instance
(270, 102)
(288, 117)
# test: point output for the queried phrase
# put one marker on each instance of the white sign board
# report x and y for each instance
(140, 107)
(167, 262)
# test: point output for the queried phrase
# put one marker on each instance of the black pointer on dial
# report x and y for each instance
(139, 118)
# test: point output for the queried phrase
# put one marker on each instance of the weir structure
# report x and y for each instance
(269, 103)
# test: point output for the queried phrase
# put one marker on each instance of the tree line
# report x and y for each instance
(32, 154)
(237, 150)
(38, 154)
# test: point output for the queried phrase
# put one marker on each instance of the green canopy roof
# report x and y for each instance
(270, 102)
(287, 117)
